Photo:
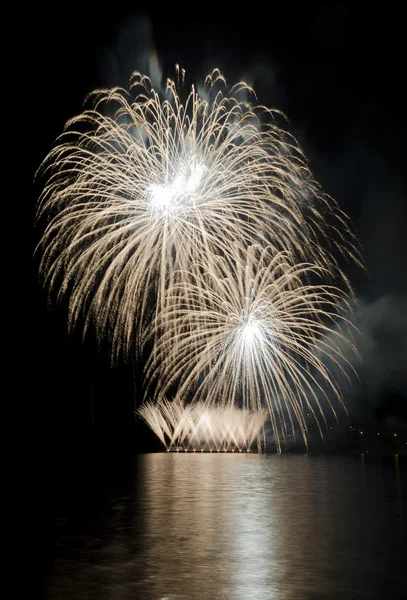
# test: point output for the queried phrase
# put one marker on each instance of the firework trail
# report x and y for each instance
(253, 333)
(143, 184)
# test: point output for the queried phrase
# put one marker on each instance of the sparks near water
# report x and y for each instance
(197, 428)
(187, 225)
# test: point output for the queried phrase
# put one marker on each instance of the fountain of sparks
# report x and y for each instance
(200, 428)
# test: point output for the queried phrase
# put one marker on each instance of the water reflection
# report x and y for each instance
(216, 519)
(239, 527)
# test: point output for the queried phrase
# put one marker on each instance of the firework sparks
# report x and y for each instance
(199, 428)
(141, 185)
(254, 333)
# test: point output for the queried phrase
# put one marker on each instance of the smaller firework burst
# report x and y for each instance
(257, 333)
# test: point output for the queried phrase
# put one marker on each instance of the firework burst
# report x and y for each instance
(253, 333)
(143, 184)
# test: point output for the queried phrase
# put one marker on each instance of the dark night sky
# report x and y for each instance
(337, 73)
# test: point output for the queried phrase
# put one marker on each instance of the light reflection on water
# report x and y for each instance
(239, 527)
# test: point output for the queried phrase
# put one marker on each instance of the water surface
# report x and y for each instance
(236, 527)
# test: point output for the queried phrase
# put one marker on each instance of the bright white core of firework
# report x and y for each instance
(250, 332)
(161, 198)
(182, 191)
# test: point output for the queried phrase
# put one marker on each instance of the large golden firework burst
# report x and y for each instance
(157, 203)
